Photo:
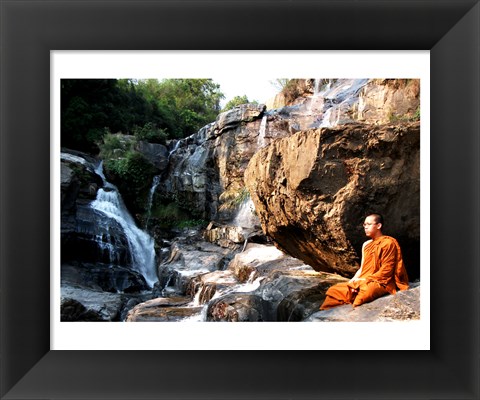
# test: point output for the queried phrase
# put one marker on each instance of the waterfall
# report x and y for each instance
(246, 217)
(261, 133)
(316, 89)
(155, 183)
(141, 245)
(175, 148)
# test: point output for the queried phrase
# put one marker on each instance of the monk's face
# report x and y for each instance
(371, 227)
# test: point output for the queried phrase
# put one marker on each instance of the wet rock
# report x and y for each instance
(103, 277)
(172, 309)
(292, 295)
(72, 310)
(237, 307)
(189, 261)
(248, 264)
(206, 170)
(204, 287)
(90, 236)
(81, 304)
(402, 306)
(227, 236)
(234, 117)
(78, 180)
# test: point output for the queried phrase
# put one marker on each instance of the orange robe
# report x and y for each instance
(382, 272)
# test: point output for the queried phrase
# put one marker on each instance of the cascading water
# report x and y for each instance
(175, 148)
(155, 183)
(110, 203)
(316, 87)
(261, 133)
(246, 217)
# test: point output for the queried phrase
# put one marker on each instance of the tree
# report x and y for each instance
(236, 101)
(155, 110)
(188, 104)
(280, 83)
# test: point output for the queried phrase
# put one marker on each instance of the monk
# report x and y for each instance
(381, 270)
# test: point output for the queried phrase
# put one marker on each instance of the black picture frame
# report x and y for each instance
(31, 29)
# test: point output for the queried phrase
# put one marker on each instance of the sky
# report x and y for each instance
(259, 89)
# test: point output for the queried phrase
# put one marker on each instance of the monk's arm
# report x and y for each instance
(359, 272)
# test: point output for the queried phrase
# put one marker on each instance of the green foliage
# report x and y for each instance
(132, 174)
(114, 146)
(186, 104)
(232, 199)
(416, 116)
(150, 133)
(396, 118)
(148, 108)
(236, 101)
(171, 215)
(134, 168)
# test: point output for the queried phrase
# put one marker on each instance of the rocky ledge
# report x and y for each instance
(201, 281)
(402, 306)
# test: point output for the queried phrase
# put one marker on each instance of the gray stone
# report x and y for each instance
(402, 306)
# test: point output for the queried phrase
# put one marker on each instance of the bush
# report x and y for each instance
(132, 175)
(114, 146)
(236, 101)
(150, 133)
(172, 215)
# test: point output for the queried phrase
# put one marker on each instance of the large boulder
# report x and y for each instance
(238, 115)
(171, 309)
(313, 189)
(156, 153)
(86, 304)
(103, 277)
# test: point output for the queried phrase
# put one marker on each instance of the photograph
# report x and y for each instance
(179, 203)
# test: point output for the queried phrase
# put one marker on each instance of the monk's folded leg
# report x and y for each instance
(368, 292)
(337, 295)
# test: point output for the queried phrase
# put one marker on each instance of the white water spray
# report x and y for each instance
(110, 203)
(246, 217)
(155, 183)
(261, 133)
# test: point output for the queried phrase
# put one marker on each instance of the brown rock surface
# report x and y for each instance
(313, 189)
(386, 100)
(402, 306)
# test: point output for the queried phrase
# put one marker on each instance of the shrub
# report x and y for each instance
(132, 174)
(114, 145)
(150, 133)
(233, 199)
(172, 215)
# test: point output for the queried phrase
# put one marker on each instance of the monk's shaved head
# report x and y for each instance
(378, 218)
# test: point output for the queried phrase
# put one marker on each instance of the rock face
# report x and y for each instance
(388, 100)
(402, 306)
(156, 154)
(206, 169)
(98, 279)
(313, 189)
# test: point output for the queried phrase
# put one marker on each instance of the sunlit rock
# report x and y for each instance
(313, 189)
